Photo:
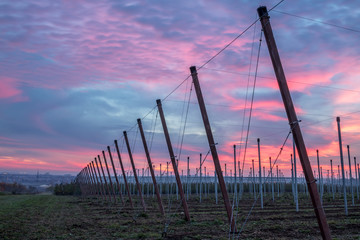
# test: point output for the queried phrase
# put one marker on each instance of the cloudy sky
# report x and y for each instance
(75, 74)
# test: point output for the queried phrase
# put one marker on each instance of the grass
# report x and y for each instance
(67, 217)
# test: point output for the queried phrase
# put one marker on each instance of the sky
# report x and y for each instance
(75, 74)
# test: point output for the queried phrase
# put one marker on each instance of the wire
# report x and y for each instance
(236, 38)
(266, 179)
(318, 21)
(252, 101)
(186, 117)
(311, 84)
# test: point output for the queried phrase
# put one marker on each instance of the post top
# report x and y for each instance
(193, 69)
(262, 11)
(138, 120)
(124, 132)
(338, 119)
(158, 101)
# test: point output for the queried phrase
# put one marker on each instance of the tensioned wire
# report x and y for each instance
(211, 59)
(265, 181)
(206, 64)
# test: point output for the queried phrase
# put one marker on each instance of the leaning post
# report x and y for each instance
(342, 165)
(116, 178)
(150, 166)
(123, 173)
(134, 170)
(110, 181)
(172, 157)
(351, 183)
(212, 146)
(294, 123)
(260, 180)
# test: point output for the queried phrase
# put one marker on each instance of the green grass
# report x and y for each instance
(67, 217)
(34, 216)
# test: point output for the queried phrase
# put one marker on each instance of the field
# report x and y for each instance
(68, 217)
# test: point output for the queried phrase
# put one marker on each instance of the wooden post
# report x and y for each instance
(356, 178)
(253, 178)
(89, 180)
(150, 166)
(212, 146)
(264, 174)
(235, 183)
(200, 185)
(187, 179)
(123, 173)
(216, 190)
(260, 180)
(351, 184)
(97, 192)
(271, 180)
(172, 157)
(111, 184)
(295, 176)
(97, 179)
(292, 176)
(116, 178)
(332, 179)
(134, 170)
(319, 178)
(103, 174)
(100, 179)
(294, 123)
(342, 165)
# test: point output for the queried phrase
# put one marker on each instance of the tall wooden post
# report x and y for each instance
(134, 170)
(93, 179)
(293, 121)
(260, 180)
(332, 179)
(100, 179)
(351, 184)
(342, 165)
(235, 182)
(116, 178)
(172, 157)
(103, 174)
(187, 178)
(271, 180)
(110, 181)
(200, 185)
(150, 166)
(295, 176)
(356, 178)
(89, 180)
(100, 186)
(123, 173)
(318, 164)
(212, 146)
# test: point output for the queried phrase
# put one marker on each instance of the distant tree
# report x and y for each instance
(66, 189)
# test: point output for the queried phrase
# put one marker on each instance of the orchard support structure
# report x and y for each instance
(134, 170)
(212, 146)
(150, 166)
(115, 175)
(123, 173)
(172, 157)
(294, 123)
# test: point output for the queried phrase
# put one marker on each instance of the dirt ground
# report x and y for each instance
(68, 217)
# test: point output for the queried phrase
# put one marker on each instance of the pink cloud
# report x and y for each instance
(9, 88)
